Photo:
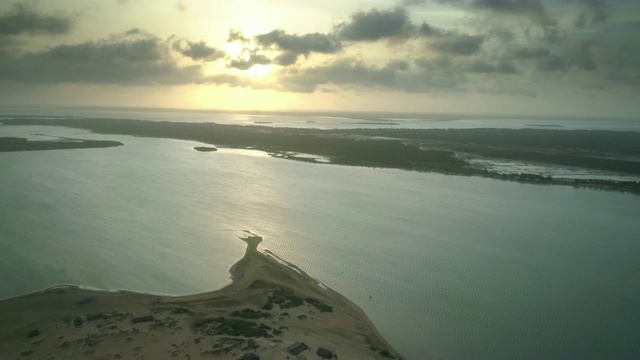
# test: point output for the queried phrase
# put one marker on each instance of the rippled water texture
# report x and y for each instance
(456, 267)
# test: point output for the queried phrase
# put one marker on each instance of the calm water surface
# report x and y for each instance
(456, 267)
(338, 120)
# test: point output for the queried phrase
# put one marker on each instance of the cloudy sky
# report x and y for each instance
(560, 57)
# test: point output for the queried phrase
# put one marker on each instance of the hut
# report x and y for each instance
(324, 353)
(298, 347)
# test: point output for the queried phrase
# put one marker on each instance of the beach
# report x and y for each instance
(270, 306)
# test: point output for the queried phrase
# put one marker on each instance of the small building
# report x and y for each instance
(324, 353)
(298, 347)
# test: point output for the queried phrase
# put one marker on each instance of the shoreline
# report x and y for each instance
(268, 307)
(444, 151)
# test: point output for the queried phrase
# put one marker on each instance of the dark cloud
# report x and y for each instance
(448, 66)
(24, 19)
(427, 30)
(197, 50)
(430, 75)
(524, 52)
(399, 65)
(123, 59)
(235, 35)
(534, 10)
(529, 8)
(578, 58)
(482, 67)
(341, 72)
(553, 63)
(293, 45)
(595, 12)
(413, 2)
(376, 24)
(458, 44)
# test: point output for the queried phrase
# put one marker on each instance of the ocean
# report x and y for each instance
(445, 266)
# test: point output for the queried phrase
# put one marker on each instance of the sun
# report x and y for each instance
(233, 49)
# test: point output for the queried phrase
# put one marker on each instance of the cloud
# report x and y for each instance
(236, 35)
(534, 10)
(413, 2)
(595, 12)
(482, 67)
(197, 50)
(441, 74)
(24, 19)
(524, 52)
(131, 58)
(427, 30)
(529, 8)
(293, 45)
(346, 71)
(181, 6)
(578, 58)
(375, 25)
(459, 44)
(248, 62)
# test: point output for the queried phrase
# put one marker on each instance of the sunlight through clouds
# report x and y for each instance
(416, 52)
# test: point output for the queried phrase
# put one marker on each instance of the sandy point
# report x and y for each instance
(271, 310)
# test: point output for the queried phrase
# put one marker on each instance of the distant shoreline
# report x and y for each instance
(267, 307)
(11, 144)
(427, 150)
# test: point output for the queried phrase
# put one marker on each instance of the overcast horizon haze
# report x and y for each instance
(528, 57)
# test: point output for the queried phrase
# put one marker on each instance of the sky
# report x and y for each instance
(528, 57)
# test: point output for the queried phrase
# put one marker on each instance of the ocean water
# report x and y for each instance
(340, 120)
(445, 266)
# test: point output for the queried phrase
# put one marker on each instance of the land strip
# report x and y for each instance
(433, 150)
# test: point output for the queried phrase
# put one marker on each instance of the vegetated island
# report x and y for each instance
(271, 310)
(446, 151)
(205, 148)
(21, 144)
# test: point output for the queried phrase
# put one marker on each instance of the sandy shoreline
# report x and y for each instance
(269, 306)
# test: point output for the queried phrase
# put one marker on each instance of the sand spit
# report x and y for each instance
(267, 308)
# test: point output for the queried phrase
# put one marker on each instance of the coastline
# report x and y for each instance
(268, 307)
(444, 151)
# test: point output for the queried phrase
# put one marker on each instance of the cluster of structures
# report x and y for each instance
(299, 347)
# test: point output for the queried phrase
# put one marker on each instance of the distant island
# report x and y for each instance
(205, 148)
(21, 144)
(446, 151)
(271, 310)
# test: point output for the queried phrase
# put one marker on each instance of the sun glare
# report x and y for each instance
(233, 49)
(258, 71)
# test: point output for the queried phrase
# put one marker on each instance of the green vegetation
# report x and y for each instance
(285, 299)
(386, 354)
(20, 144)
(383, 352)
(231, 327)
(319, 305)
(205, 148)
(250, 314)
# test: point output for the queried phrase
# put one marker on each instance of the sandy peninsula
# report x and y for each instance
(270, 307)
